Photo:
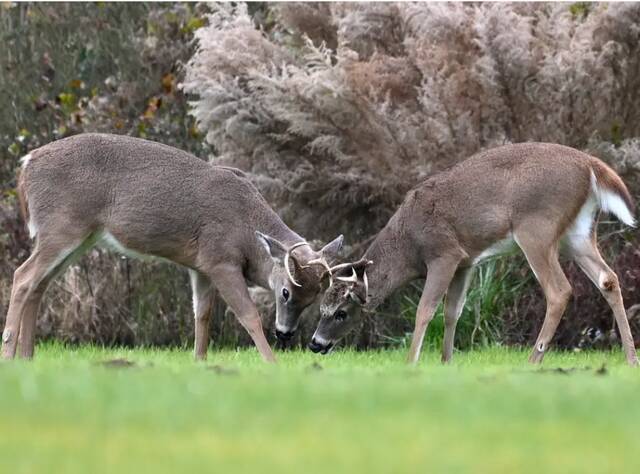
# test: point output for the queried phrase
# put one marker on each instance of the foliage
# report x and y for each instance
(493, 291)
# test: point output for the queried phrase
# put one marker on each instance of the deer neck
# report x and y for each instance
(394, 263)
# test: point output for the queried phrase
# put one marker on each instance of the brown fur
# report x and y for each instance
(531, 191)
(160, 201)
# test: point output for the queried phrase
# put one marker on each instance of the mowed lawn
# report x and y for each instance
(490, 411)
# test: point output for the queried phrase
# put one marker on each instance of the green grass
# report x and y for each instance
(495, 286)
(490, 411)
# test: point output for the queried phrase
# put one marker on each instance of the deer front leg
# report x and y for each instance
(203, 300)
(230, 282)
(439, 275)
(454, 302)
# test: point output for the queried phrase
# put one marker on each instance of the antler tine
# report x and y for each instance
(352, 278)
(340, 266)
(288, 270)
(366, 285)
(286, 261)
(348, 264)
(336, 268)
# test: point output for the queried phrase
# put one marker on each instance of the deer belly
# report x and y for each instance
(108, 241)
(500, 247)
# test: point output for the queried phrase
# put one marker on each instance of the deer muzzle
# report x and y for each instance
(320, 346)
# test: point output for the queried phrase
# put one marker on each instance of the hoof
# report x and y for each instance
(536, 357)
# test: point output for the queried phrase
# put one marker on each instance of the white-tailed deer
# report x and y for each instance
(540, 196)
(141, 197)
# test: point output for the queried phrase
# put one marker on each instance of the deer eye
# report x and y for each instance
(340, 315)
(285, 294)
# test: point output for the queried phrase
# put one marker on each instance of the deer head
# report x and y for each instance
(341, 304)
(296, 278)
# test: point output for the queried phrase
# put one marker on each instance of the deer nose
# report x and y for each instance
(316, 347)
(284, 335)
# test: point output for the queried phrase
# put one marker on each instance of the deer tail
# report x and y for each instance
(611, 193)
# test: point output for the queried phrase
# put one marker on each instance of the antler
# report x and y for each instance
(323, 262)
(341, 266)
(352, 278)
(366, 284)
(286, 261)
(330, 270)
(319, 261)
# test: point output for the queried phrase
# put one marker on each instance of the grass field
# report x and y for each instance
(490, 411)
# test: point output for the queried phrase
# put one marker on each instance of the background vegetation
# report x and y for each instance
(336, 110)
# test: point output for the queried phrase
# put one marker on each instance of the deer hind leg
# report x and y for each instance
(440, 272)
(586, 255)
(454, 303)
(30, 281)
(542, 255)
(231, 285)
(203, 300)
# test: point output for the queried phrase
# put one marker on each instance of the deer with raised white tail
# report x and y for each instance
(544, 198)
(142, 197)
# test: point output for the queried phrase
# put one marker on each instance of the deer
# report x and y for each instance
(543, 198)
(146, 199)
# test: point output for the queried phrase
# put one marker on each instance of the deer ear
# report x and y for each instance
(272, 246)
(331, 250)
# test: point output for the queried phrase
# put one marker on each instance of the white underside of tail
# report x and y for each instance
(611, 202)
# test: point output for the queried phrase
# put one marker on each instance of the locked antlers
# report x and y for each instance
(353, 278)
